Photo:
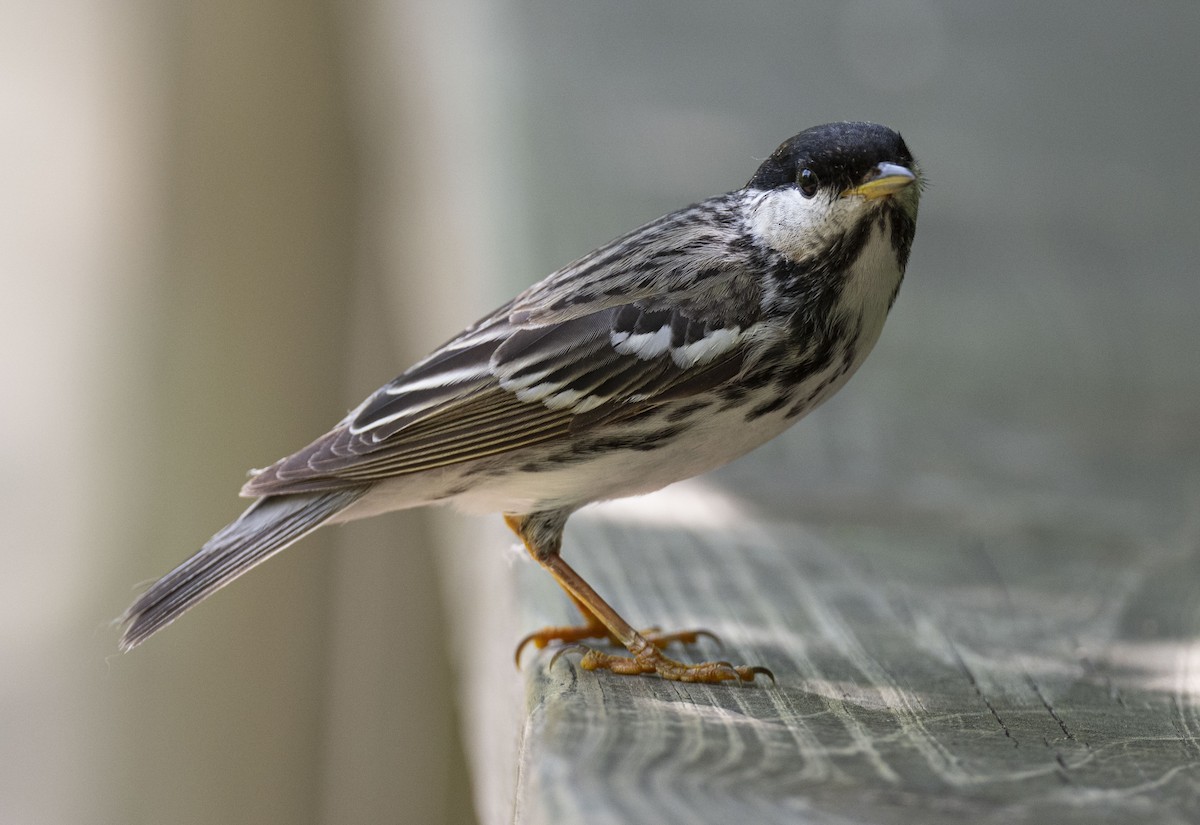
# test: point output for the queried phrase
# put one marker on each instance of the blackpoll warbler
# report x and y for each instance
(672, 350)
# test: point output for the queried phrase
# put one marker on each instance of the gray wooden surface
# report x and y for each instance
(1012, 671)
(974, 570)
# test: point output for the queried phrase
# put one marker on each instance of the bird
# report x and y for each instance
(676, 348)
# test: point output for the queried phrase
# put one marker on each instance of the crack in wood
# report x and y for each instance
(1049, 708)
(962, 665)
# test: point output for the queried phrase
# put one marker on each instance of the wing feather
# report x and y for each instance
(659, 315)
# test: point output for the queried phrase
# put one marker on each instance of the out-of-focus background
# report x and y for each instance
(223, 223)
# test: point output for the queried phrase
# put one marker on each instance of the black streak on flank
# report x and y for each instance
(686, 411)
(641, 442)
(457, 490)
(805, 404)
(776, 403)
(817, 360)
(732, 395)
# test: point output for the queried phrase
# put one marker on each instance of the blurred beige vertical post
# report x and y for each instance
(203, 277)
(78, 208)
(225, 709)
(441, 240)
(320, 690)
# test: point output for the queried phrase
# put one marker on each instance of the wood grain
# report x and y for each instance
(927, 672)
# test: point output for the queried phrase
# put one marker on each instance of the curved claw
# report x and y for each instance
(566, 634)
(564, 649)
(532, 637)
(747, 674)
(709, 634)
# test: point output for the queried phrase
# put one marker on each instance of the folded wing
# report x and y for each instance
(546, 368)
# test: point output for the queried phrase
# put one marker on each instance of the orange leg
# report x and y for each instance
(541, 537)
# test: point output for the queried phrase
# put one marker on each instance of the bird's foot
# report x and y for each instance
(568, 634)
(652, 660)
(573, 634)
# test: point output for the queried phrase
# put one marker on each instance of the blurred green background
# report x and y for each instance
(224, 223)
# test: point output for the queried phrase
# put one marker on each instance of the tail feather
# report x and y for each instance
(268, 526)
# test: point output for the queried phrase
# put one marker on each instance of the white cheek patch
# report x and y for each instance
(787, 221)
(644, 345)
(797, 226)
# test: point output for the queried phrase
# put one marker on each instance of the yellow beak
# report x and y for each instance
(886, 179)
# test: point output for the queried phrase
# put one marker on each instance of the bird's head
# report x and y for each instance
(826, 181)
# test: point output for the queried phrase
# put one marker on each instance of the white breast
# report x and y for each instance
(870, 286)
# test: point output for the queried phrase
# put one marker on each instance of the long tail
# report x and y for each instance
(268, 526)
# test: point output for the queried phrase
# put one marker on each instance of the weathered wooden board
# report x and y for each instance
(927, 672)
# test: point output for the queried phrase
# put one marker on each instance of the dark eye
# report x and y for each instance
(808, 182)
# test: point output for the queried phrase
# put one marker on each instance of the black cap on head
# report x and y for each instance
(840, 154)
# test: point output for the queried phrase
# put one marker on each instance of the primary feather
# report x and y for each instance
(268, 526)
